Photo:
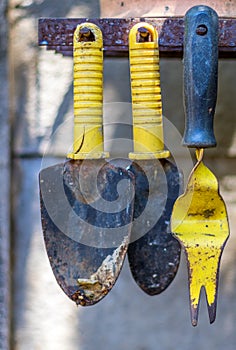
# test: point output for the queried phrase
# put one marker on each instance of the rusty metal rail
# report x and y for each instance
(57, 34)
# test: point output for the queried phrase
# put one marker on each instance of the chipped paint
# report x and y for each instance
(85, 272)
(203, 236)
(102, 280)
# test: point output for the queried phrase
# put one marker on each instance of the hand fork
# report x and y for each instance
(199, 217)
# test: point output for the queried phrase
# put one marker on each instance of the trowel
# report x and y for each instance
(153, 253)
(87, 202)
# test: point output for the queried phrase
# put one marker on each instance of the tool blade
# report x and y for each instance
(86, 222)
(199, 221)
(154, 256)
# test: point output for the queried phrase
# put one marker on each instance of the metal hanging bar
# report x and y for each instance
(57, 34)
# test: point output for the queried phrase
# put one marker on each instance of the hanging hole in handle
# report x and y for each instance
(201, 29)
(143, 35)
(86, 35)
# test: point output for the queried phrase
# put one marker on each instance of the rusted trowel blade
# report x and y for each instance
(153, 253)
(86, 212)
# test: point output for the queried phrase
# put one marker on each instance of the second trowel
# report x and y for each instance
(86, 202)
(153, 253)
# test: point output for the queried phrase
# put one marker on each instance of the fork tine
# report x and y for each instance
(207, 281)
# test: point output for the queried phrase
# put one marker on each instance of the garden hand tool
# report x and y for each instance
(86, 209)
(153, 253)
(199, 218)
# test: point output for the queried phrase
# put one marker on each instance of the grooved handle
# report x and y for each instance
(88, 93)
(146, 93)
(200, 76)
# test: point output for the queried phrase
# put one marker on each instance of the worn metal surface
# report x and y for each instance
(154, 257)
(57, 34)
(86, 238)
(199, 221)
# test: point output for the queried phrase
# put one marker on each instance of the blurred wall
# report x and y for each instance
(4, 181)
(42, 109)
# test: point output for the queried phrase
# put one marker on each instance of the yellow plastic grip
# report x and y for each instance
(88, 93)
(146, 94)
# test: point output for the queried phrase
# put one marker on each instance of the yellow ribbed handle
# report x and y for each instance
(146, 93)
(88, 93)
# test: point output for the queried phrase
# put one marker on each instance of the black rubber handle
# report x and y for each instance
(200, 76)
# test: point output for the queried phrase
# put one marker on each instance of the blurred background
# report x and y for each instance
(35, 313)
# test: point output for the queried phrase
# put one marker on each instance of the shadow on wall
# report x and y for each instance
(53, 8)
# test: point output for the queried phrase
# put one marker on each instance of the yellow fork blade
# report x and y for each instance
(199, 221)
